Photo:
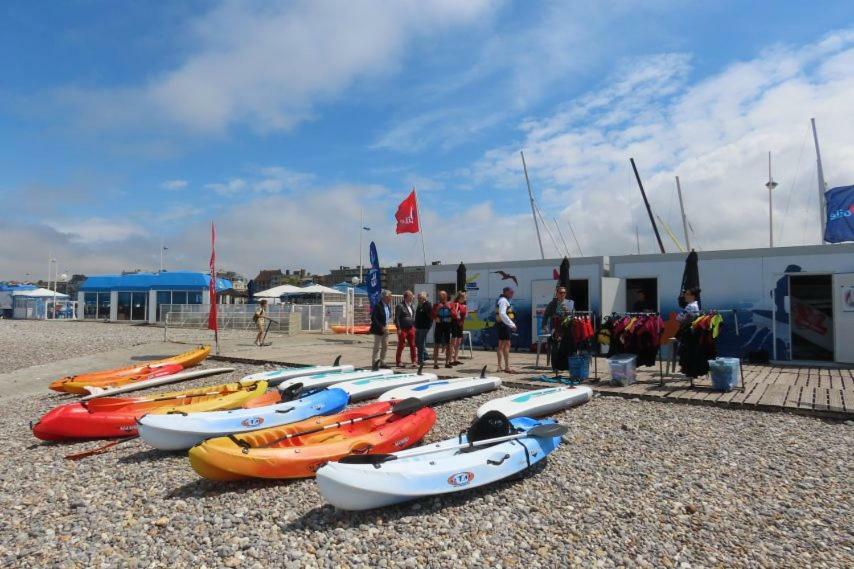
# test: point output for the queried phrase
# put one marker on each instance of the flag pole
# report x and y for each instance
(420, 230)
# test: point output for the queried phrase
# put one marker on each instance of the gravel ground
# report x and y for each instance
(23, 343)
(640, 484)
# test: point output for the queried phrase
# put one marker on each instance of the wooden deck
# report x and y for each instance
(827, 392)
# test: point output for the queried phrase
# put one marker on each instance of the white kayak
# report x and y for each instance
(277, 376)
(372, 481)
(441, 390)
(180, 431)
(370, 387)
(320, 380)
(538, 402)
(95, 392)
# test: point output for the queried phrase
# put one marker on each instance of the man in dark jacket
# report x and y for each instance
(423, 323)
(404, 319)
(380, 319)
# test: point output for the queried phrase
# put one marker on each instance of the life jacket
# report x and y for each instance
(511, 314)
(443, 312)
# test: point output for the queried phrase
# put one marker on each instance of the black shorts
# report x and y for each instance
(442, 334)
(503, 331)
(456, 331)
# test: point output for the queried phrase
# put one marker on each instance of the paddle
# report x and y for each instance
(540, 432)
(404, 408)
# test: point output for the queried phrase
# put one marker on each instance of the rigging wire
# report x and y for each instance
(793, 185)
(571, 230)
(548, 231)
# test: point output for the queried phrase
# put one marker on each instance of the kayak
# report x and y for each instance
(360, 329)
(277, 376)
(117, 376)
(328, 379)
(268, 454)
(181, 431)
(116, 416)
(538, 402)
(149, 374)
(442, 390)
(370, 387)
(96, 392)
(440, 468)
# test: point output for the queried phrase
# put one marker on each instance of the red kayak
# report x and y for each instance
(111, 417)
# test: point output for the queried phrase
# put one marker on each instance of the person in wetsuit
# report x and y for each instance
(443, 316)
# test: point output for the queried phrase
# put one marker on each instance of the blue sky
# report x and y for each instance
(127, 123)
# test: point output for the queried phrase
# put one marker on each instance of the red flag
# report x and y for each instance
(407, 215)
(212, 324)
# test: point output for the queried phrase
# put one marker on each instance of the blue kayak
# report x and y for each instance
(182, 431)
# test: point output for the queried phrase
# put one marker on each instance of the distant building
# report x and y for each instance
(397, 278)
(269, 278)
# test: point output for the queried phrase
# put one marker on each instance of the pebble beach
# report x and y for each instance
(638, 484)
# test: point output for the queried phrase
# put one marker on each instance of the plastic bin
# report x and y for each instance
(724, 373)
(579, 367)
(623, 369)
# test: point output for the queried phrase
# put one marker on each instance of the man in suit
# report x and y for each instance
(381, 316)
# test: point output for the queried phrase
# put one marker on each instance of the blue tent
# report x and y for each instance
(166, 280)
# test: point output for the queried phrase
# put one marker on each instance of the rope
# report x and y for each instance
(793, 184)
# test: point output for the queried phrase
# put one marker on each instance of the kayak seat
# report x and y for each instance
(491, 425)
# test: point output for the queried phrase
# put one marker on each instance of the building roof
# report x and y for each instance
(16, 287)
(166, 280)
(278, 291)
(39, 293)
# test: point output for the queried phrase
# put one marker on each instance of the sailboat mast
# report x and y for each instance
(682, 210)
(648, 208)
(533, 207)
(821, 187)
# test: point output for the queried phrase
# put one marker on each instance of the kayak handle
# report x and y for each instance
(498, 462)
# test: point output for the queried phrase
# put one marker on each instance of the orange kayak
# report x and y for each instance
(361, 329)
(260, 454)
(120, 376)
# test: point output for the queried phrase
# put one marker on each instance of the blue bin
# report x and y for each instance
(724, 373)
(579, 367)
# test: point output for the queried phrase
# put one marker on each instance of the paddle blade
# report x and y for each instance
(367, 458)
(407, 406)
(548, 431)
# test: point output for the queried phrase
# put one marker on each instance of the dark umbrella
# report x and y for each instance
(563, 273)
(461, 277)
(250, 291)
(690, 277)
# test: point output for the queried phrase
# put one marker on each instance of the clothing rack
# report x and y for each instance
(592, 315)
(708, 312)
(658, 357)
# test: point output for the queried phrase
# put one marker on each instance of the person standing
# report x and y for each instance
(260, 318)
(380, 319)
(561, 341)
(423, 323)
(443, 316)
(505, 325)
(404, 319)
(459, 311)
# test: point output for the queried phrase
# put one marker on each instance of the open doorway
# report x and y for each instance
(642, 295)
(579, 292)
(811, 313)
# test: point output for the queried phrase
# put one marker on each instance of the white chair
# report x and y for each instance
(467, 337)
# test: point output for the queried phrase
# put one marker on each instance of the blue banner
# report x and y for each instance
(840, 214)
(375, 285)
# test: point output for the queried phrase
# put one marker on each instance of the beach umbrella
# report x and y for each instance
(250, 291)
(461, 277)
(690, 277)
(563, 273)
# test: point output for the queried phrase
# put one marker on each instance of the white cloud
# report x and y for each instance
(98, 230)
(175, 184)
(267, 180)
(269, 65)
(232, 187)
(714, 133)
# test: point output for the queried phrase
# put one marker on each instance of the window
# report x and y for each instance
(104, 305)
(195, 298)
(179, 297)
(139, 306)
(123, 312)
(164, 297)
(90, 305)
(642, 295)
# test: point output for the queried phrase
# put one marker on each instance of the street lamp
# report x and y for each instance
(770, 185)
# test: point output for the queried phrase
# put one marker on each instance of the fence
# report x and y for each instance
(229, 317)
